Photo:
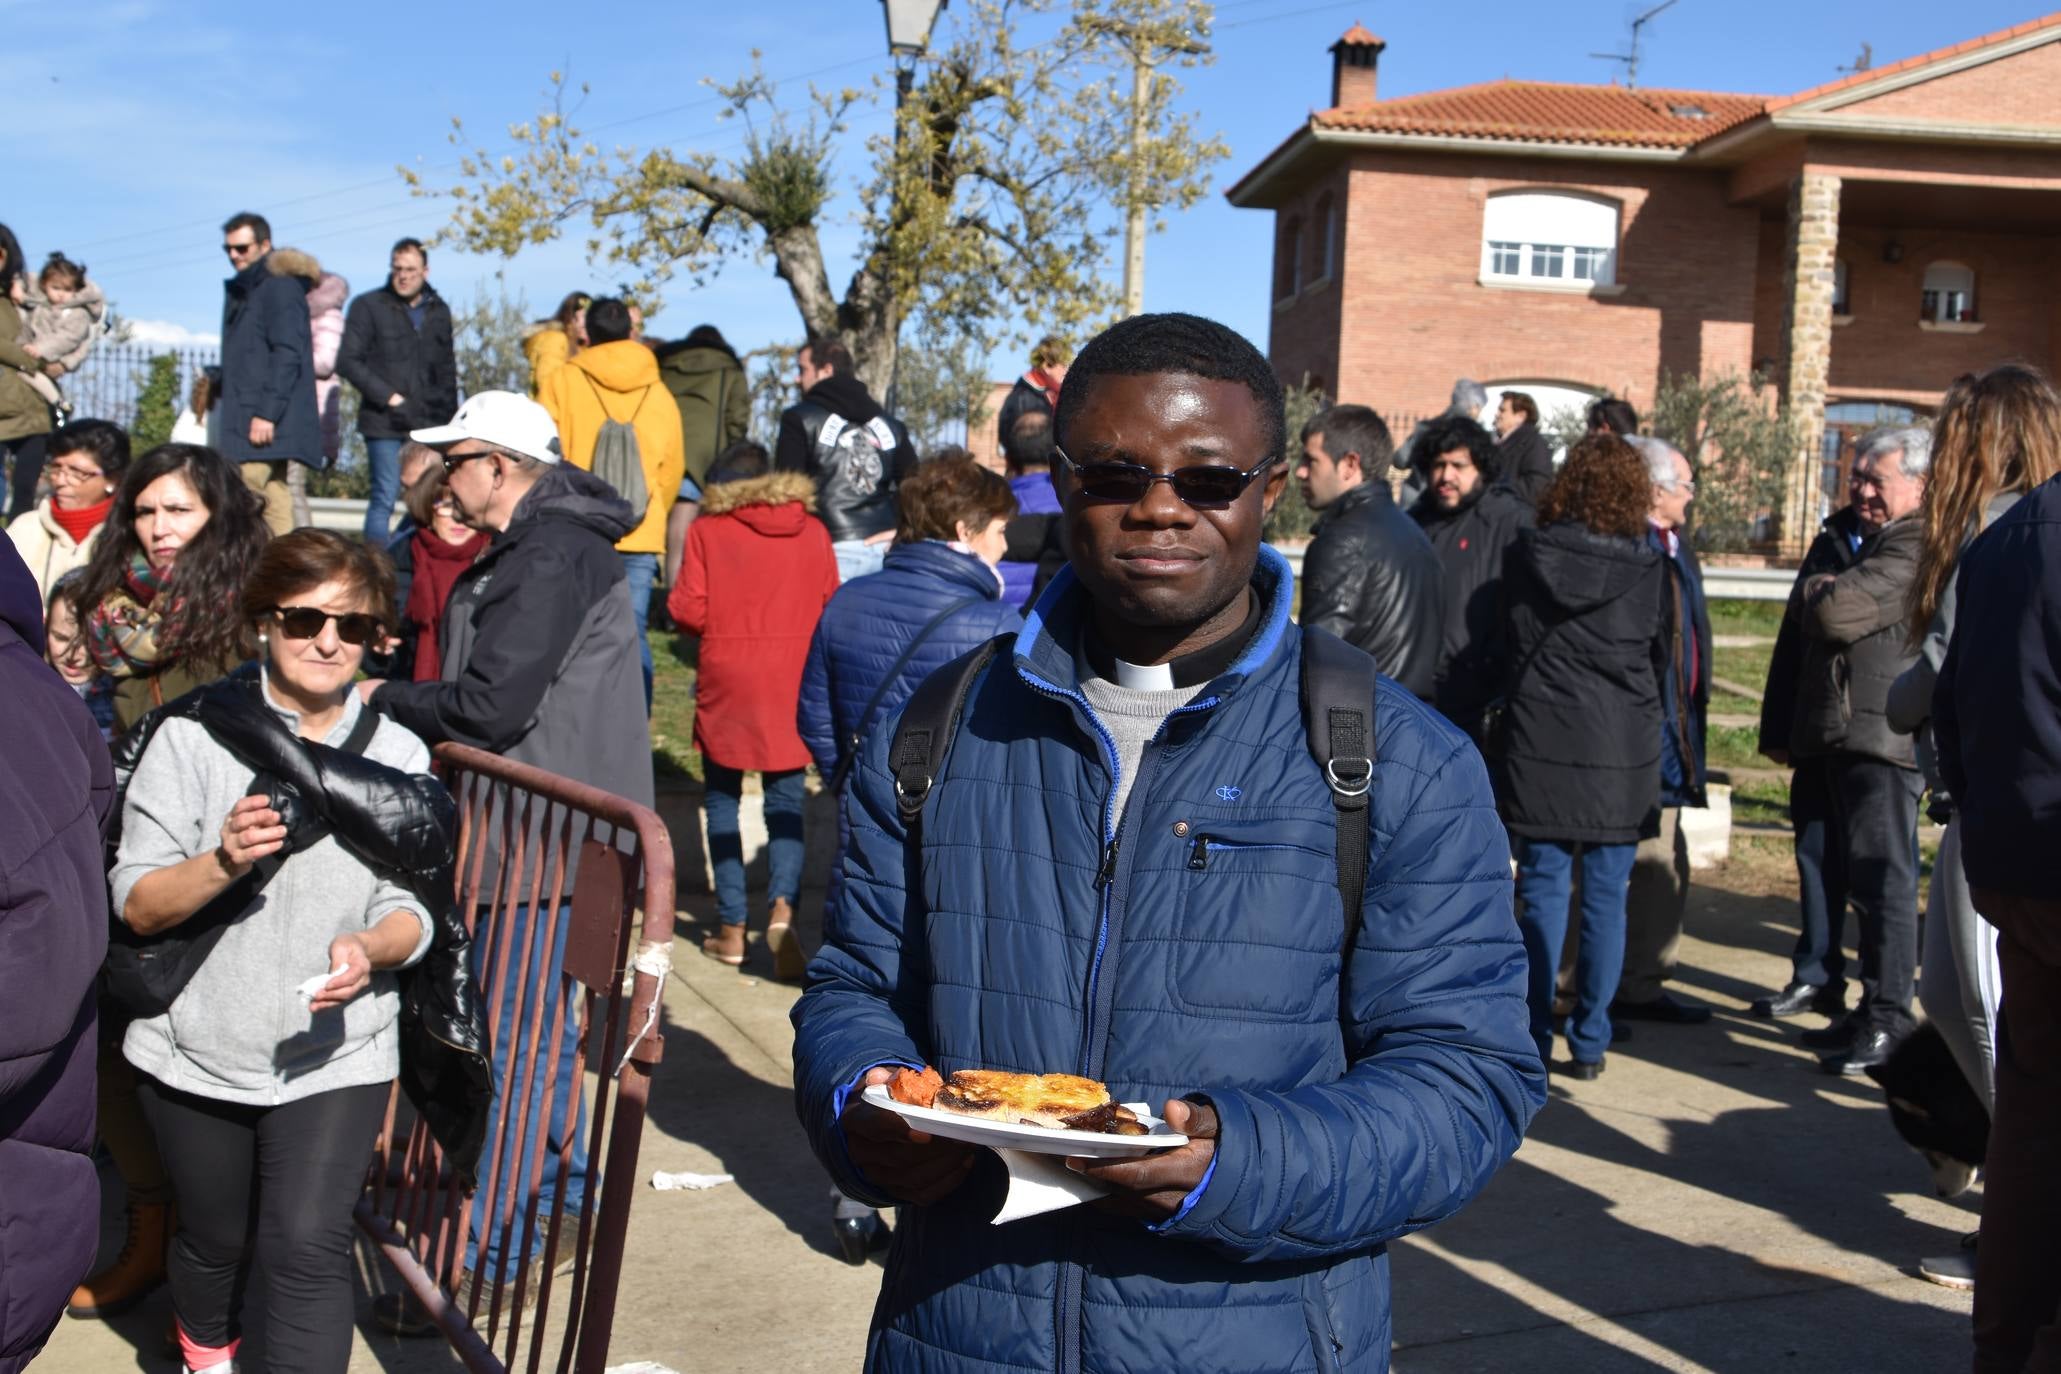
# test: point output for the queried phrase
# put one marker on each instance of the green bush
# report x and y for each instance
(1291, 518)
(1741, 443)
(157, 404)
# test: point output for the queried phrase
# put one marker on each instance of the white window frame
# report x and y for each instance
(1947, 294)
(1559, 240)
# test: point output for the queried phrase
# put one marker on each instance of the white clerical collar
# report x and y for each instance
(1144, 677)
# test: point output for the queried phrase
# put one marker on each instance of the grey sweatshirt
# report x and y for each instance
(1132, 716)
(240, 1032)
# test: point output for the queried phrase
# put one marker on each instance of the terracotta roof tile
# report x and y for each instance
(1551, 112)
(1922, 59)
(1359, 35)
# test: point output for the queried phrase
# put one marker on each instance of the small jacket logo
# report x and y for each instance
(1230, 794)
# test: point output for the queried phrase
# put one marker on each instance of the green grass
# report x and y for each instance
(1728, 617)
(673, 755)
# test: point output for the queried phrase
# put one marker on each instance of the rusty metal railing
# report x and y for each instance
(533, 846)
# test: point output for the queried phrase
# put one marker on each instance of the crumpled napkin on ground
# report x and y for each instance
(666, 1183)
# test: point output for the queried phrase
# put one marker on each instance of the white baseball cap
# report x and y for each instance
(504, 419)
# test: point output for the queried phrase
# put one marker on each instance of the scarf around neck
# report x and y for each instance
(438, 566)
(79, 524)
(124, 631)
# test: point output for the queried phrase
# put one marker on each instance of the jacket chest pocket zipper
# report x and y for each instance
(1198, 854)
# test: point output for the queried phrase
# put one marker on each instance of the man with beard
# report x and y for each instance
(1471, 519)
(1122, 868)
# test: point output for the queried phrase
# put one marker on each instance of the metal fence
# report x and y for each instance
(600, 871)
(109, 384)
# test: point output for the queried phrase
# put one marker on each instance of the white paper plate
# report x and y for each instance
(1042, 1140)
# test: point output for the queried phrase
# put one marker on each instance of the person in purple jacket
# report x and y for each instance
(1033, 553)
(54, 797)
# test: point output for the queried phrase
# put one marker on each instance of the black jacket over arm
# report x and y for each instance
(1831, 552)
(384, 354)
(1372, 578)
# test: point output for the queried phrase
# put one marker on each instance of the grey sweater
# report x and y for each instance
(240, 1032)
(1132, 716)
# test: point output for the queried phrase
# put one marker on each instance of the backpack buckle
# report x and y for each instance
(1350, 777)
(909, 801)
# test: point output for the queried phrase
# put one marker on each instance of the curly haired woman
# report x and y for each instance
(1578, 741)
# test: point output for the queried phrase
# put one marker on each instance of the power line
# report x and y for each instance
(1292, 14)
(457, 162)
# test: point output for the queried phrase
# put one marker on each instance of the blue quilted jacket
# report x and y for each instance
(1208, 964)
(872, 619)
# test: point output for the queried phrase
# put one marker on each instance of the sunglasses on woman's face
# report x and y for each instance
(305, 622)
(1209, 485)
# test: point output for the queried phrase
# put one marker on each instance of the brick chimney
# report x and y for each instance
(1353, 60)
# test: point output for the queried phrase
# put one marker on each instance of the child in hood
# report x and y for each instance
(61, 318)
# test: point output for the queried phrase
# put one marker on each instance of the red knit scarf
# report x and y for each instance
(80, 523)
(438, 566)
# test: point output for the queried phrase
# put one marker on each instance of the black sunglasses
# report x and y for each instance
(455, 461)
(1212, 485)
(305, 622)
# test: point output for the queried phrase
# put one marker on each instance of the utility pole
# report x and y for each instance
(1148, 46)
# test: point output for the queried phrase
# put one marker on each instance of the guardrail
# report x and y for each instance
(554, 896)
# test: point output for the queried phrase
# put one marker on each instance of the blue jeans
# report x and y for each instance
(1820, 957)
(383, 464)
(642, 570)
(541, 945)
(856, 558)
(1545, 880)
(726, 841)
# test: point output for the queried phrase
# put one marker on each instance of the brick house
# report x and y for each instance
(1861, 243)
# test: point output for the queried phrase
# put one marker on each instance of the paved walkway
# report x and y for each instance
(1712, 1203)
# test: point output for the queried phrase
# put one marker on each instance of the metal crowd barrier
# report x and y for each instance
(523, 834)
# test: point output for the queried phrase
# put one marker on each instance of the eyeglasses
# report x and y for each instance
(455, 461)
(237, 250)
(1209, 485)
(305, 622)
(64, 472)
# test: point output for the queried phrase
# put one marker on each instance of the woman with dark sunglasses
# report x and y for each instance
(266, 1077)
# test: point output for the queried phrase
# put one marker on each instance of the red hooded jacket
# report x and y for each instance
(757, 574)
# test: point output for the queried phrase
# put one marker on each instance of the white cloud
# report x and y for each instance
(169, 335)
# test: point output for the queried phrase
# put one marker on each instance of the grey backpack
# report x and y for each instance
(618, 460)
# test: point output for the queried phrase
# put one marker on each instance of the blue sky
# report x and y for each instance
(139, 124)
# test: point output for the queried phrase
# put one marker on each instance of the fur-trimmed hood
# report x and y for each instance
(774, 489)
(328, 293)
(292, 262)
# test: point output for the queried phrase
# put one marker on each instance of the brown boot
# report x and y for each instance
(136, 1271)
(789, 963)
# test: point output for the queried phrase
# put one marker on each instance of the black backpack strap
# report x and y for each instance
(864, 725)
(1338, 714)
(929, 720)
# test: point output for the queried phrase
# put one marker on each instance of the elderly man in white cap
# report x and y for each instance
(540, 665)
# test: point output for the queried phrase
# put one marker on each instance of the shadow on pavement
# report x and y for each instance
(749, 1125)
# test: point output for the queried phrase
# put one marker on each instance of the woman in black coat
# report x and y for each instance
(1579, 741)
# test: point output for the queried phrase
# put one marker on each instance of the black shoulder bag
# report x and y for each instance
(146, 973)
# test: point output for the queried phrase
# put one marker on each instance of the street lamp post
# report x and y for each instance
(909, 23)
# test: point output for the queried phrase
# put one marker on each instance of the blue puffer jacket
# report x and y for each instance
(1208, 964)
(872, 619)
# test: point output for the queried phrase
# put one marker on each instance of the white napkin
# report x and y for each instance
(1041, 1183)
(311, 986)
(666, 1183)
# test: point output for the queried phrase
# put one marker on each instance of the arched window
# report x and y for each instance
(1323, 239)
(1288, 261)
(1949, 294)
(1549, 236)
